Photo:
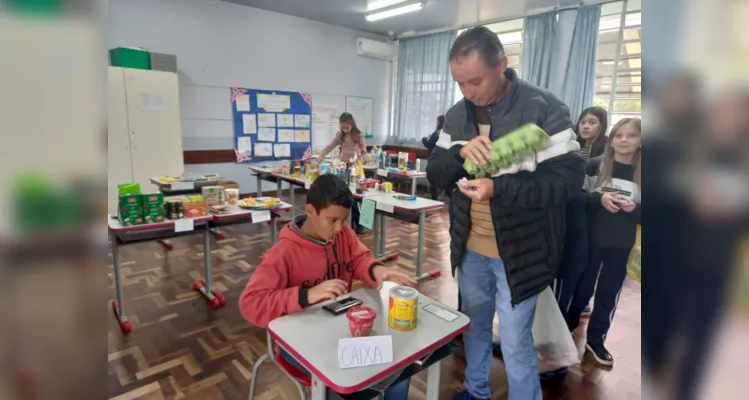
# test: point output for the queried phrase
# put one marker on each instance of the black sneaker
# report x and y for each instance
(600, 353)
(465, 395)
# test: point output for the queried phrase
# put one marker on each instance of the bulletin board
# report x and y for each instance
(271, 125)
(362, 109)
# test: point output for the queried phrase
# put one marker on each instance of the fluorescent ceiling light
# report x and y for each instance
(396, 9)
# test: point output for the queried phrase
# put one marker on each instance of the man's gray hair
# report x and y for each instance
(481, 39)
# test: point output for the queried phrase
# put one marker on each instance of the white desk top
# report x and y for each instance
(115, 225)
(420, 204)
(288, 178)
(311, 336)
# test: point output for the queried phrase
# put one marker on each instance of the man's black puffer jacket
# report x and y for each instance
(528, 208)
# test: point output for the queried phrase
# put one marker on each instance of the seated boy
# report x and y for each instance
(311, 262)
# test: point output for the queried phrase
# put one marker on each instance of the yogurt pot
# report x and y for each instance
(361, 320)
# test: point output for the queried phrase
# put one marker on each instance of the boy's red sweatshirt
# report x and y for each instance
(297, 263)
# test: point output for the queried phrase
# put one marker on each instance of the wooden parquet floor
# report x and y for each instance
(180, 348)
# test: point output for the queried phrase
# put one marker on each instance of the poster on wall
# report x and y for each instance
(270, 125)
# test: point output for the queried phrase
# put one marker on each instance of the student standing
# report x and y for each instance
(613, 208)
(311, 262)
(430, 142)
(353, 145)
(591, 132)
(591, 135)
(508, 231)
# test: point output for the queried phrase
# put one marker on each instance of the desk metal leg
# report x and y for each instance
(118, 306)
(205, 286)
(413, 186)
(380, 252)
(279, 188)
(273, 229)
(293, 203)
(433, 381)
(318, 389)
(168, 245)
(420, 243)
(259, 181)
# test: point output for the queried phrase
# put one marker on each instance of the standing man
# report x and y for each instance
(507, 232)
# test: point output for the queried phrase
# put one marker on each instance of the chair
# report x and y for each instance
(300, 379)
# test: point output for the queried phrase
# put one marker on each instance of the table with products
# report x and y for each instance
(414, 211)
(123, 235)
(311, 337)
(270, 175)
(395, 173)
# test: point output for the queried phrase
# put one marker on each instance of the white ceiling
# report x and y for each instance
(436, 14)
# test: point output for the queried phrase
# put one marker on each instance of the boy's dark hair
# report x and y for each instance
(481, 39)
(329, 190)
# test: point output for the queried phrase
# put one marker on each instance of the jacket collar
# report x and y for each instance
(504, 105)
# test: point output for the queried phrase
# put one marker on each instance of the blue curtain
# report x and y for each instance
(539, 33)
(578, 89)
(424, 86)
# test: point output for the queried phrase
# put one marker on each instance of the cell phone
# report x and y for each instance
(341, 306)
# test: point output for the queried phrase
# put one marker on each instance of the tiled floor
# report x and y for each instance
(181, 348)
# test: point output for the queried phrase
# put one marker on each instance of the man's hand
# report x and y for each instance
(479, 150)
(609, 202)
(478, 189)
(627, 206)
(382, 273)
(326, 290)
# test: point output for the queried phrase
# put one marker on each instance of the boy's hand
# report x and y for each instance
(382, 273)
(326, 290)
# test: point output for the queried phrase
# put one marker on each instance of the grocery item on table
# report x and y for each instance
(232, 196)
(509, 149)
(128, 188)
(153, 207)
(130, 209)
(402, 160)
(260, 202)
(196, 209)
(174, 209)
(387, 187)
(219, 209)
(361, 320)
(214, 195)
(403, 308)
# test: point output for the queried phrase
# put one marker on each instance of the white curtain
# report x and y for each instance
(539, 37)
(578, 89)
(424, 86)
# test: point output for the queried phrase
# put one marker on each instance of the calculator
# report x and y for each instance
(339, 307)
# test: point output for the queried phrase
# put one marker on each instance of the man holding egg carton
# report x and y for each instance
(508, 223)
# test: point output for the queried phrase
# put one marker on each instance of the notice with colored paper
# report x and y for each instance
(301, 136)
(266, 134)
(263, 150)
(266, 120)
(249, 123)
(285, 120)
(285, 135)
(301, 121)
(244, 145)
(243, 103)
(260, 216)
(367, 213)
(365, 350)
(273, 102)
(184, 225)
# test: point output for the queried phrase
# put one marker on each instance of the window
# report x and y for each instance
(510, 33)
(619, 61)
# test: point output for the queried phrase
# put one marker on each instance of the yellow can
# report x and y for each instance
(404, 302)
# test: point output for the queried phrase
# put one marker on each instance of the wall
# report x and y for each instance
(220, 45)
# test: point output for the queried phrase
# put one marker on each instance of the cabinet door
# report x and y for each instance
(155, 129)
(119, 165)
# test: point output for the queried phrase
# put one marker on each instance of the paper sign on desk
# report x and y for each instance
(184, 225)
(382, 172)
(183, 186)
(364, 351)
(260, 216)
(366, 216)
(307, 184)
(388, 208)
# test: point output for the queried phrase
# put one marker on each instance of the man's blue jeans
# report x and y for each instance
(399, 391)
(484, 290)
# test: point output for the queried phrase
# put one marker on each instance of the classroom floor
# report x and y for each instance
(180, 348)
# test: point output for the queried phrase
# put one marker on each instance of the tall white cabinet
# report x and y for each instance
(145, 134)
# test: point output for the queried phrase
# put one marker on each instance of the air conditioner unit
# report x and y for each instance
(375, 49)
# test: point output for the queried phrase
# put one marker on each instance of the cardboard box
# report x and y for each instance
(229, 184)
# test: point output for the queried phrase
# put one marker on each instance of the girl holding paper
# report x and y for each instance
(350, 138)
